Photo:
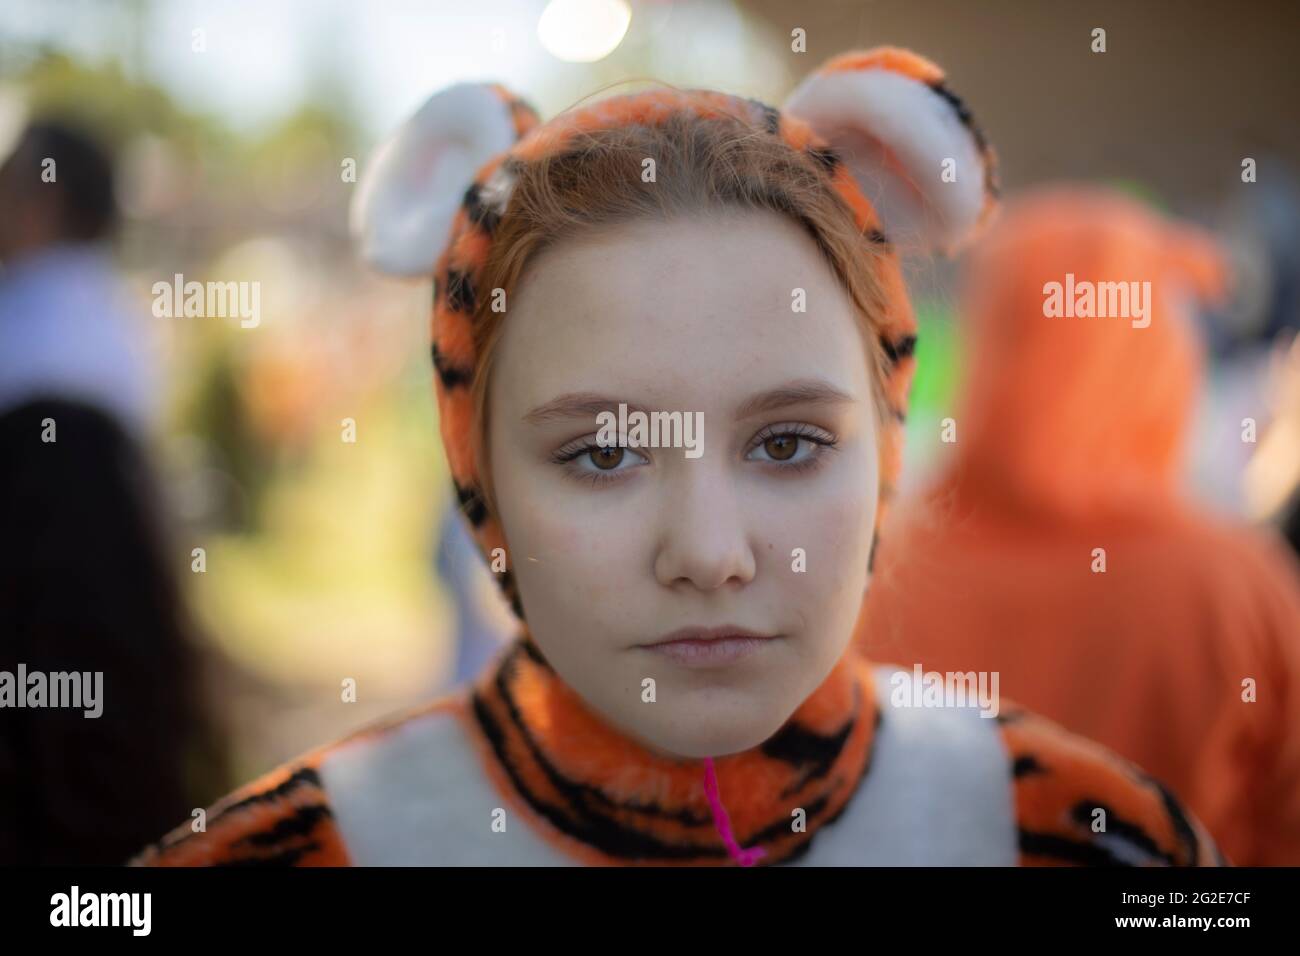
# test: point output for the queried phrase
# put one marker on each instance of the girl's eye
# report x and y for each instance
(587, 461)
(793, 446)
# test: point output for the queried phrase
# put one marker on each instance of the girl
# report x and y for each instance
(683, 690)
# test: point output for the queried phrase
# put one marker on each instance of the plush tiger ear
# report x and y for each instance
(910, 143)
(409, 192)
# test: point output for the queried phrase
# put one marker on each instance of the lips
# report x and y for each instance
(707, 634)
(709, 646)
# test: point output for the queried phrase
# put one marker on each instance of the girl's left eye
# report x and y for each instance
(790, 446)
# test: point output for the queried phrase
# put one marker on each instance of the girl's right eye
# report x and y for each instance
(587, 461)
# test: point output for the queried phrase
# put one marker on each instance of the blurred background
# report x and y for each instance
(233, 125)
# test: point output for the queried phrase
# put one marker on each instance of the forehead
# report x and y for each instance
(680, 310)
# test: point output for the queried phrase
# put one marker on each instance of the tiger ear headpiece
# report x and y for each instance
(900, 148)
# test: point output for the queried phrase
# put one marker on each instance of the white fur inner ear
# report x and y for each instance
(898, 137)
(412, 186)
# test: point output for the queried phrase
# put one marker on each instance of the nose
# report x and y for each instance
(705, 542)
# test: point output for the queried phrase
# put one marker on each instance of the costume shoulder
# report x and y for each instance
(1079, 804)
(283, 818)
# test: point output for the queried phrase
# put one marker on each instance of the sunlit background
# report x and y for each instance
(233, 122)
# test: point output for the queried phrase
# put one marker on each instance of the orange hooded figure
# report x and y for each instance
(1055, 548)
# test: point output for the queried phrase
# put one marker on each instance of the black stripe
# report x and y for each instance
(897, 351)
(534, 652)
(516, 603)
(796, 784)
(797, 745)
(304, 820)
(290, 856)
(460, 291)
(600, 832)
(771, 116)
(471, 503)
(803, 848)
(878, 238)
(1182, 826)
(963, 113)
(615, 839)
(577, 789)
(450, 375)
(1059, 848)
(478, 212)
(968, 120)
(1026, 765)
(510, 588)
(1117, 826)
(826, 157)
(303, 777)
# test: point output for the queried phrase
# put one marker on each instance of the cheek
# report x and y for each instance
(836, 537)
(834, 529)
(568, 555)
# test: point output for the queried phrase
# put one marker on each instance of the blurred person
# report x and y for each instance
(630, 560)
(1273, 475)
(1057, 549)
(1290, 523)
(66, 325)
(88, 576)
(1259, 230)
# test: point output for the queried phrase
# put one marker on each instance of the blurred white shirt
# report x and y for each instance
(67, 330)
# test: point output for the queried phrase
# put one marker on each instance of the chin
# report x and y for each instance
(709, 735)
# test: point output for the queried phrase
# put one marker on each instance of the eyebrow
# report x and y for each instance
(811, 391)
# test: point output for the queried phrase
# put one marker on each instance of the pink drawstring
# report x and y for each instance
(723, 824)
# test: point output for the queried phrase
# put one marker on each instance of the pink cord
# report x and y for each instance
(723, 823)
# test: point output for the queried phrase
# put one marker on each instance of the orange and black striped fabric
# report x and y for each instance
(595, 797)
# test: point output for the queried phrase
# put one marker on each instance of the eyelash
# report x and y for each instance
(823, 441)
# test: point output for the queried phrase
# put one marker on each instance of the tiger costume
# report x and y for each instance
(517, 769)
(424, 789)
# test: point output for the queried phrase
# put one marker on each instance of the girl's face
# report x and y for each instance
(762, 524)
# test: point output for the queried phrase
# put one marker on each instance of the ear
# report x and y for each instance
(402, 212)
(911, 144)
